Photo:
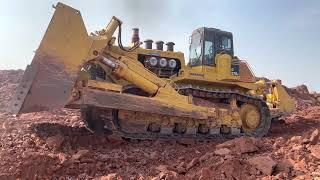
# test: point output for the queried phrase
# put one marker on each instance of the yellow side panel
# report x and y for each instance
(223, 66)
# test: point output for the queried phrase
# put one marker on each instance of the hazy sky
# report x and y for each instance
(279, 38)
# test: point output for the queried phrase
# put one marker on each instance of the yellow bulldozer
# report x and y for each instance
(148, 93)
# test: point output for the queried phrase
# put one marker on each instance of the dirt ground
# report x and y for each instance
(55, 145)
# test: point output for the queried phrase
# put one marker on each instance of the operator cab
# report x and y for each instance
(206, 43)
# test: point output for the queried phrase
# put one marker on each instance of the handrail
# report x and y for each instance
(244, 61)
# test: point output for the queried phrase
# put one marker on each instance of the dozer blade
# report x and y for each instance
(48, 81)
(287, 103)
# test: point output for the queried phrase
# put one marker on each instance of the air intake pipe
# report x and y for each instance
(159, 45)
(148, 44)
(170, 46)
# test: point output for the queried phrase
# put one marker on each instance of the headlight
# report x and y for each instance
(172, 63)
(153, 61)
(163, 62)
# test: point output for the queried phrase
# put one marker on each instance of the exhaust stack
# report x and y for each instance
(135, 36)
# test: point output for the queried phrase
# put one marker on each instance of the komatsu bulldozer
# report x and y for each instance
(147, 93)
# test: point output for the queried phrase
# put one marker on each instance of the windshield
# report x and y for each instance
(226, 43)
(195, 49)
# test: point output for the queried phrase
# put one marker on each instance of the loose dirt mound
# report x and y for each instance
(55, 144)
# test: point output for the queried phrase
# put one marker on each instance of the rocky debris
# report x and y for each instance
(54, 144)
(166, 172)
(115, 139)
(79, 154)
(163, 168)
(232, 169)
(170, 175)
(300, 92)
(314, 137)
(111, 176)
(206, 174)
(153, 155)
(241, 145)
(315, 151)
(186, 141)
(181, 168)
(222, 152)
(302, 89)
(62, 157)
(206, 156)
(296, 139)
(265, 164)
(285, 166)
(192, 163)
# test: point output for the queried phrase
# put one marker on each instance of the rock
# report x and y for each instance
(265, 164)
(171, 175)
(186, 141)
(5, 125)
(62, 157)
(155, 178)
(55, 142)
(205, 174)
(227, 144)
(316, 174)
(279, 142)
(228, 157)
(241, 145)
(112, 176)
(302, 89)
(192, 163)
(297, 147)
(181, 158)
(181, 168)
(253, 171)
(222, 152)
(315, 151)
(278, 176)
(284, 166)
(305, 141)
(29, 143)
(162, 175)
(205, 157)
(299, 157)
(301, 165)
(153, 155)
(115, 139)
(99, 165)
(247, 145)
(296, 139)
(79, 154)
(162, 168)
(314, 138)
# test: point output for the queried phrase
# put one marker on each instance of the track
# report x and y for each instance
(98, 120)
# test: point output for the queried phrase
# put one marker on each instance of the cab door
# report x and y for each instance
(209, 49)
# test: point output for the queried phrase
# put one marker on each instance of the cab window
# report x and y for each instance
(195, 50)
(226, 43)
(208, 53)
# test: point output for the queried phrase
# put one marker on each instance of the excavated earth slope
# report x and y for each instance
(55, 145)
